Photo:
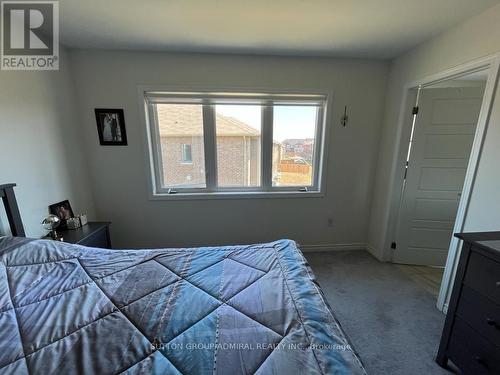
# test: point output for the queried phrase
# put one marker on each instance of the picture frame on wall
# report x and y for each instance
(63, 211)
(111, 127)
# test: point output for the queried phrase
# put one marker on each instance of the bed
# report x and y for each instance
(253, 309)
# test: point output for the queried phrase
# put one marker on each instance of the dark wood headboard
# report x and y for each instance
(12, 210)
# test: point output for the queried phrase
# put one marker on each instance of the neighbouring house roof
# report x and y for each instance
(181, 120)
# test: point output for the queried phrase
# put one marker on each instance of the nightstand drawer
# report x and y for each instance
(480, 313)
(471, 353)
(94, 234)
(96, 239)
(483, 275)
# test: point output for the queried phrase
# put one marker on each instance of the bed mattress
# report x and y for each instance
(254, 309)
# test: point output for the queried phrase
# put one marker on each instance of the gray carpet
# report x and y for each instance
(391, 321)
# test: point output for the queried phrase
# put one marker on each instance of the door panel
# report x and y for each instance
(441, 178)
(455, 111)
(450, 146)
(443, 137)
(438, 210)
(431, 238)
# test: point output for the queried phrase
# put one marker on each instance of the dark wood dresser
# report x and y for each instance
(93, 234)
(471, 333)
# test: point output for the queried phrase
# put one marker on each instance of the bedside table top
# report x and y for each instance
(487, 242)
(79, 234)
(478, 236)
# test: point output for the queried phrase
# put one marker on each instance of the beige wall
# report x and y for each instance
(120, 175)
(475, 38)
(40, 144)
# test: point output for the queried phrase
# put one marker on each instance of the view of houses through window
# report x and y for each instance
(294, 130)
(238, 132)
(181, 125)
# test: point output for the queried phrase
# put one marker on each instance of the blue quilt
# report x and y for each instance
(68, 309)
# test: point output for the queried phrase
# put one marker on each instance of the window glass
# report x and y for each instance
(181, 144)
(215, 142)
(238, 131)
(294, 133)
(187, 156)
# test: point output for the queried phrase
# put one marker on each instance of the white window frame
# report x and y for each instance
(149, 96)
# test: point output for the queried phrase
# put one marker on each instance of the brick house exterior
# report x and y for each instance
(181, 129)
(176, 172)
(237, 160)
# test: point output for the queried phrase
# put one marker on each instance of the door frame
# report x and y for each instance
(409, 98)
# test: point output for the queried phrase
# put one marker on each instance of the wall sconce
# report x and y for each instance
(344, 119)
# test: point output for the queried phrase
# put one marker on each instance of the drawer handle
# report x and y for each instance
(492, 323)
(481, 361)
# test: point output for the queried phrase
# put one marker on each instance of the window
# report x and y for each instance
(226, 143)
(180, 144)
(238, 130)
(187, 154)
(294, 133)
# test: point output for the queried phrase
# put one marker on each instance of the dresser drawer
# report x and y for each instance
(483, 275)
(480, 313)
(471, 353)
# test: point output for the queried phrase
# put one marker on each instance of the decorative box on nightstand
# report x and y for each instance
(94, 234)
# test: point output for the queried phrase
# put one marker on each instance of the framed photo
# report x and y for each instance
(111, 127)
(63, 211)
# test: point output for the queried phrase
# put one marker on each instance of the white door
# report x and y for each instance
(440, 150)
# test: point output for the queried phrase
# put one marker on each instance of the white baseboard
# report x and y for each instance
(332, 247)
(376, 254)
(370, 249)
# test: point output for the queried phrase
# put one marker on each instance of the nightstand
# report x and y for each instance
(471, 333)
(93, 234)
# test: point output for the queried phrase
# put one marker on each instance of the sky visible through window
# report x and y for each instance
(290, 122)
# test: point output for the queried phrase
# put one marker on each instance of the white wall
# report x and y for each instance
(475, 38)
(40, 144)
(120, 174)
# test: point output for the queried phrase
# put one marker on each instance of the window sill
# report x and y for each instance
(237, 195)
